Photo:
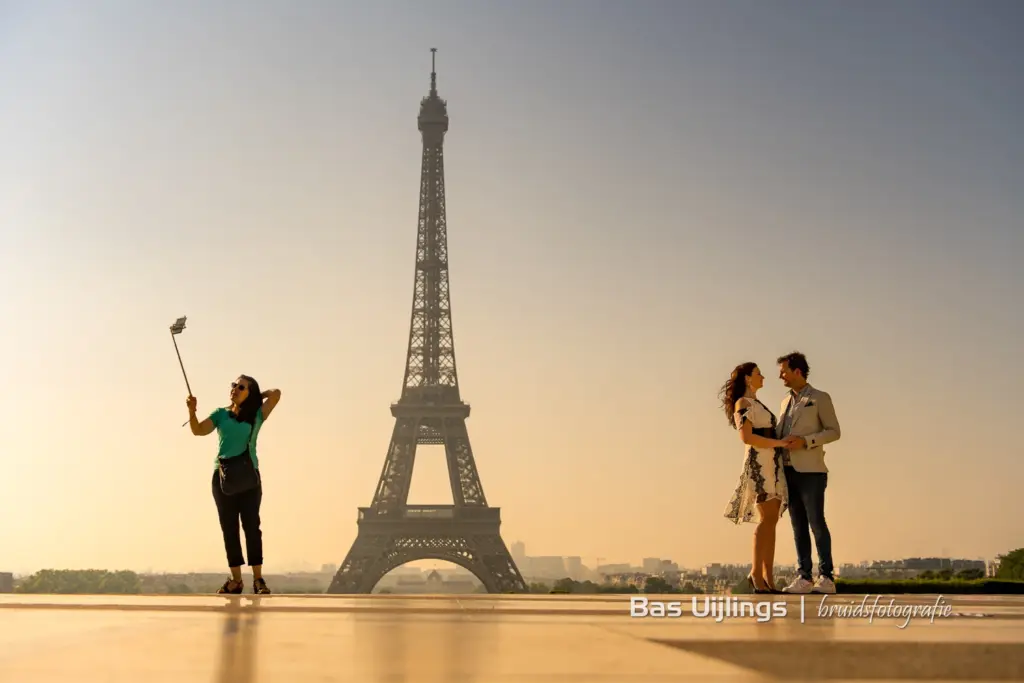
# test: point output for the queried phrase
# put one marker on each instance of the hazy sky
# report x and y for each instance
(640, 196)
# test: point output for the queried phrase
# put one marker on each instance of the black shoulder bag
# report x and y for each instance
(238, 474)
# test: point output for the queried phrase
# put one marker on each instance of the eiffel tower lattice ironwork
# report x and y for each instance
(430, 411)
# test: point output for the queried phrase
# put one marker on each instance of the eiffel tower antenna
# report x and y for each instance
(430, 411)
(433, 71)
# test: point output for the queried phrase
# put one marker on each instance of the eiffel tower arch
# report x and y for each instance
(430, 411)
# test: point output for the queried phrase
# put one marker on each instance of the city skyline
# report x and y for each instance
(630, 204)
(309, 566)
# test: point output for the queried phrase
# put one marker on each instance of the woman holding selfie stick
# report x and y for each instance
(237, 487)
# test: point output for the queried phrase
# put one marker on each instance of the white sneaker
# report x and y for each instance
(800, 586)
(824, 585)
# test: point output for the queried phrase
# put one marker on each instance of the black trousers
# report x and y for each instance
(243, 506)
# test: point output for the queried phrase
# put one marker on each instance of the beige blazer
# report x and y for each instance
(814, 419)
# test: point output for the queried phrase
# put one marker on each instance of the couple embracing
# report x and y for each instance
(783, 468)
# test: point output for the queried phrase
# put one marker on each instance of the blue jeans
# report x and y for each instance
(807, 509)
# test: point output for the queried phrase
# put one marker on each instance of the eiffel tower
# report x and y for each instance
(430, 411)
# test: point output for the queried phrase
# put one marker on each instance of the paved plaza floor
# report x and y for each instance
(502, 639)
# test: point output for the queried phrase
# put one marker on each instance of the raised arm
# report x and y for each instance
(829, 423)
(270, 399)
(746, 429)
(198, 428)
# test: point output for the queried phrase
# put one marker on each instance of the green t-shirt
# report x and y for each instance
(235, 436)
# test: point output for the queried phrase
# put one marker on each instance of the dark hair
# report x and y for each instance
(252, 403)
(796, 361)
(734, 388)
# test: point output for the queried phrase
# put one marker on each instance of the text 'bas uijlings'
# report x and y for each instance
(708, 607)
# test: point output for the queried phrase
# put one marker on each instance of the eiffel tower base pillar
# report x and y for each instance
(467, 537)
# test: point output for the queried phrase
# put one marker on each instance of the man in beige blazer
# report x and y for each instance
(807, 422)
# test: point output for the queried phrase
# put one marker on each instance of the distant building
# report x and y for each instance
(6, 582)
(574, 567)
(432, 583)
(922, 564)
(548, 567)
(962, 565)
(518, 551)
(610, 569)
(636, 579)
(911, 567)
(714, 571)
(937, 564)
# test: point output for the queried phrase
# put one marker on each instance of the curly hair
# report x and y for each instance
(734, 388)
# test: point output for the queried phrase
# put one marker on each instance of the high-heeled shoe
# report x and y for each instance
(753, 586)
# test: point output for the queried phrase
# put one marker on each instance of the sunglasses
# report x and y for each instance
(240, 387)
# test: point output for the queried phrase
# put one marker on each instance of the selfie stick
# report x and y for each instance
(177, 328)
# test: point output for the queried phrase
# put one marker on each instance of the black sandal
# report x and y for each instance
(259, 587)
(232, 587)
